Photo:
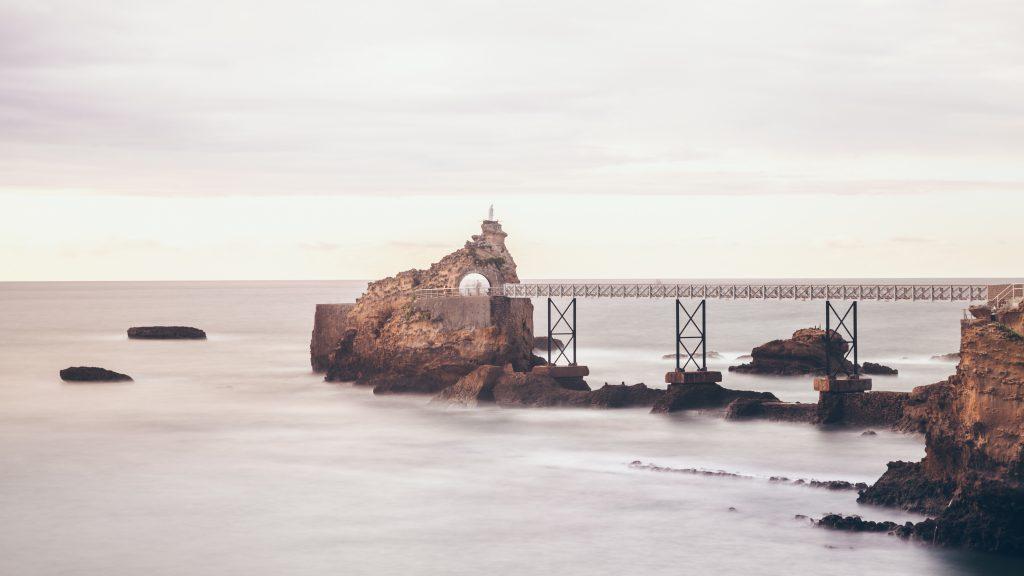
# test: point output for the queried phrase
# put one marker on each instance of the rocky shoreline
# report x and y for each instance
(405, 334)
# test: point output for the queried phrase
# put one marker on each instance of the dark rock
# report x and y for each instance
(869, 433)
(854, 524)
(702, 396)
(950, 357)
(803, 353)
(873, 369)
(92, 374)
(904, 485)
(166, 333)
(623, 396)
(881, 408)
(541, 343)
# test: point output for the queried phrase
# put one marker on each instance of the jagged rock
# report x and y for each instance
(873, 369)
(803, 353)
(950, 357)
(166, 333)
(972, 476)
(399, 343)
(473, 389)
(92, 374)
(702, 396)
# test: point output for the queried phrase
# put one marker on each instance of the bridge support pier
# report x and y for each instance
(840, 345)
(562, 322)
(691, 347)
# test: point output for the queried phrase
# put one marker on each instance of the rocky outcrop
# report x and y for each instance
(758, 408)
(400, 340)
(702, 397)
(950, 357)
(713, 355)
(166, 333)
(873, 369)
(509, 389)
(864, 409)
(92, 374)
(972, 477)
(804, 353)
(541, 343)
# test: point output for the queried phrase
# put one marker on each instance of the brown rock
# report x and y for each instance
(702, 396)
(401, 343)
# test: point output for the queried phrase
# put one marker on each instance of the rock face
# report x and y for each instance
(873, 369)
(166, 333)
(804, 353)
(972, 477)
(398, 340)
(92, 374)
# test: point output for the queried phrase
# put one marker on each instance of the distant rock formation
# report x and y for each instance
(92, 374)
(873, 369)
(711, 355)
(950, 357)
(398, 340)
(803, 353)
(972, 477)
(541, 343)
(166, 333)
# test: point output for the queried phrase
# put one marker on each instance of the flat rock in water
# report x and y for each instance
(92, 374)
(166, 333)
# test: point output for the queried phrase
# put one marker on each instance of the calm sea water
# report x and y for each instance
(229, 457)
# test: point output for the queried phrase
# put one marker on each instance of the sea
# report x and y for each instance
(230, 457)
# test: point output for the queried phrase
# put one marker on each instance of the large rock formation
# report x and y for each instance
(972, 477)
(804, 353)
(400, 340)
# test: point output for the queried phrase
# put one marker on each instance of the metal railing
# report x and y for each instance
(893, 292)
(998, 296)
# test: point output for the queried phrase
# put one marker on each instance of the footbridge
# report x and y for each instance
(691, 316)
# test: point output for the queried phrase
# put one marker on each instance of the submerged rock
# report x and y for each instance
(854, 524)
(166, 333)
(950, 357)
(92, 374)
(712, 355)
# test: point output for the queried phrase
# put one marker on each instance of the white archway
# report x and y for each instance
(474, 284)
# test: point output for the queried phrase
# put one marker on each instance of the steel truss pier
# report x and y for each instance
(893, 292)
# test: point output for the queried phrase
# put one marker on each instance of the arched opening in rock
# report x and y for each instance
(474, 284)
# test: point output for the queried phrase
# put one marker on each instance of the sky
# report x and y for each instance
(154, 140)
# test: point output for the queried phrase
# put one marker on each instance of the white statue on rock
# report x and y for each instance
(490, 213)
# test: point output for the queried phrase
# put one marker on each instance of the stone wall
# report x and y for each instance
(329, 324)
(457, 312)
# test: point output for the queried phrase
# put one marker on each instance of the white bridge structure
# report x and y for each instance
(997, 295)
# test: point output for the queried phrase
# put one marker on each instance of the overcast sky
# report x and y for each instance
(228, 140)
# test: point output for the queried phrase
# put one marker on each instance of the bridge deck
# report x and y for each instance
(999, 294)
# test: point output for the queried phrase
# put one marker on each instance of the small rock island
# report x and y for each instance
(166, 333)
(92, 374)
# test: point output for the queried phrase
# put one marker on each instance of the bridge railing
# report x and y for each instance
(893, 292)
(424, 293)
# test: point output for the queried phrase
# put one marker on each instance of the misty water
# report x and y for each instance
(228, 456)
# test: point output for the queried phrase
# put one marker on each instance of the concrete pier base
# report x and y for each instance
(842, 384)
(697, 377)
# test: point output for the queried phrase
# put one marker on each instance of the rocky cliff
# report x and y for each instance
(400, 340)
(972, 477)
